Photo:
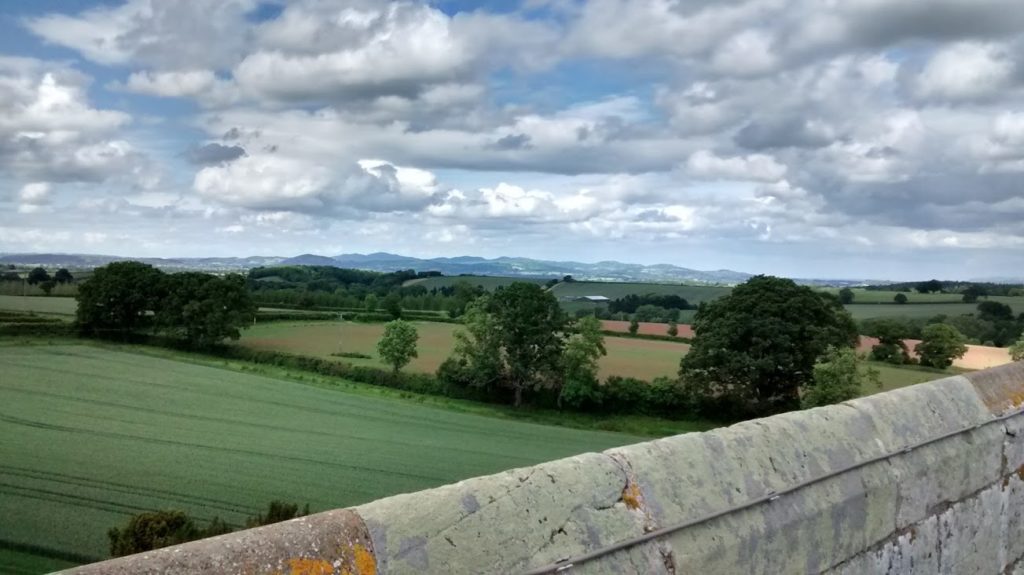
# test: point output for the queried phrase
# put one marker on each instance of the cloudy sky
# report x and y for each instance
(824, 138)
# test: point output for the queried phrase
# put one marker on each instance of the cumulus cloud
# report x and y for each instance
(214, 153)
(50, 132)
(754, 167)
(966, 71)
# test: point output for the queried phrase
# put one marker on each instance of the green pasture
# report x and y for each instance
(90, 436)
(487, 282)
(65, 306)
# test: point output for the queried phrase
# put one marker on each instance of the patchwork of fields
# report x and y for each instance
(626, 357)
(89, 436)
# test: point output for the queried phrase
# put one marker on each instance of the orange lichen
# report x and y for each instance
(365, 563)
(631, 496)
(303, 566)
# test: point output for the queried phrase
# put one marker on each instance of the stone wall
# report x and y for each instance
(926, 479)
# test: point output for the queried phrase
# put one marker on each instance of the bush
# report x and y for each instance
(153, 530)
(277, 511)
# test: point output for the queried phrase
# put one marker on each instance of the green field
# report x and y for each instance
(645, 359)
(615, 290)
(89, 436)
(861, 296)
(65, 306)
(916, 311)
(487, 282)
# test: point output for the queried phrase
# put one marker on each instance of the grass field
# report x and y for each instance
(614, 290)
(487, 282)
(65, 306)
(627, 357)
(881, 296)
(917, 311)
(89, 436)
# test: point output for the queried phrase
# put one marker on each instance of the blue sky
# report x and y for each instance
(869, 139)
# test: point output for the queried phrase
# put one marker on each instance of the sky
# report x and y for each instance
(809, 138)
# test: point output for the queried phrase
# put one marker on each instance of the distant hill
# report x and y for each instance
(385, 262)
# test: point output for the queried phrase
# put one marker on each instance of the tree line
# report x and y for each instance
(199, 308)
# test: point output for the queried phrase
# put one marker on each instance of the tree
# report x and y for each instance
(398, 344)
(756, 347)
(580, 383)
(929, 287)
(119, 296)
(63, 276)
(634, 326)
(204, 309)
(512, 340)
(1017, 350)
(837, 378)
(973, 292)
(38, 275)
(47, 286)
(940, 344)
(890, 347)
(994, 311)
(900, 298)
(277, 511)
(392, 304)
(371, 303)
(152, 530)
(846, 296)
(673, 329)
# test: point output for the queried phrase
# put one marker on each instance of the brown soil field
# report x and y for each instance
(977, 356)
(644, 359)
(647, 328)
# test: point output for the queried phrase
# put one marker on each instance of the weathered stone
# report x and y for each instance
(913, 551)
(334, 542)
(522, 518)
(1001, 388)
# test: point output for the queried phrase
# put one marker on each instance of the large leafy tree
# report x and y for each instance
(838, 378)
(398, 344)
(37, 276)
(512, 340)
(204, 309)
(756, 347)
(119, 296)
(583, 349)
(531, 328)
(940, 344)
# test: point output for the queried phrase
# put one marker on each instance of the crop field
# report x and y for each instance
(917, 310)
(644, 359)
(614, 290)
(89, 436)
(65, 306)
(880, 296)
(487, 282)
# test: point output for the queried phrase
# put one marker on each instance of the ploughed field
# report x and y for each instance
(645, 359)
(90, 436)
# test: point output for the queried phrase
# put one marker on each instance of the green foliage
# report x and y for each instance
(203, 309)
(929, 286)
(513, 340)
(37, 276)
(994, 311)
(838, 378)
(673, 329)
(846, 296)
(392, 305)
(756, 347)
(890, 333)
(940, 344)
(1017, 350)
(153, 530)
(900, 298)
(277, 511)
(63, 276)
(120, 296)
(582, 351)
(398, 344)
(371, 302)
(634, 326)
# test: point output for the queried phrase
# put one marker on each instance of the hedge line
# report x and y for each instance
(38, 329)
(677, 339)
(295, 316)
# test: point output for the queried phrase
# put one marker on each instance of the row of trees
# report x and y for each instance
(200, 308)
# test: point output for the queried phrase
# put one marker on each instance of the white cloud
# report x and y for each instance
(754, 167)
(965, 71)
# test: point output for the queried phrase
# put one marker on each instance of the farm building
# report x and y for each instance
(590, 299)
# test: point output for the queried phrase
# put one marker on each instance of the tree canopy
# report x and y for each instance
(756, 347)
(940, 344)
(398, 344)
